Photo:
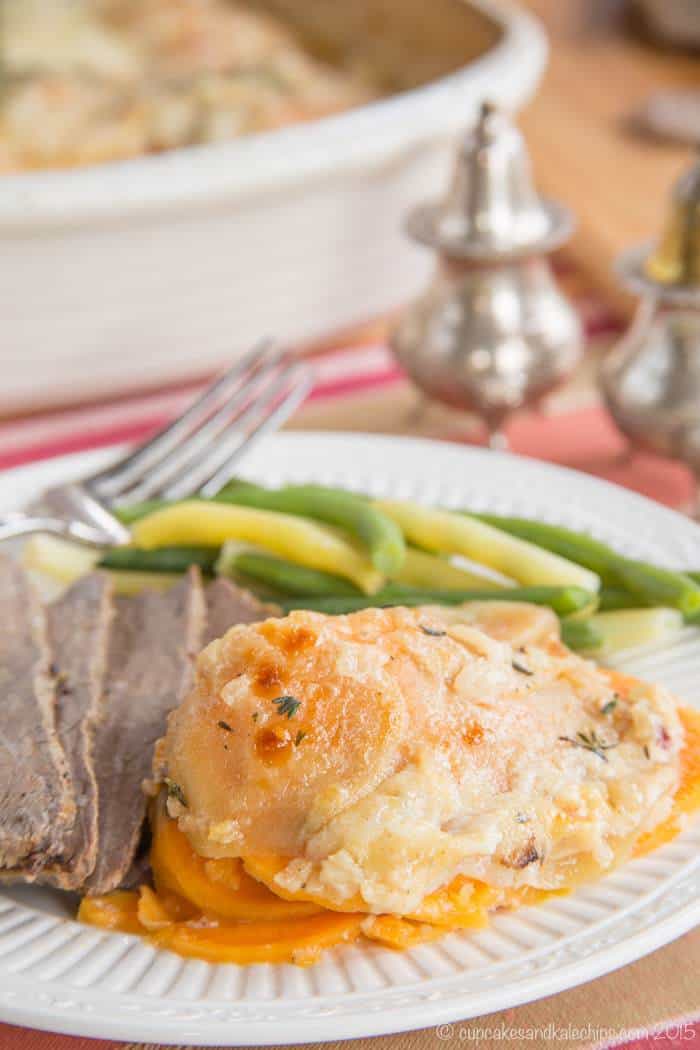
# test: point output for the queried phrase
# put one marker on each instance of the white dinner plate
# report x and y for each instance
(59, 975)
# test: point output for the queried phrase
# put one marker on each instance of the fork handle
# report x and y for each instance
(16, 524)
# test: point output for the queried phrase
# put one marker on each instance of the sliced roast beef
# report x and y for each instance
(36, 806)
(153, 642)
(228, 605)
(78, 631)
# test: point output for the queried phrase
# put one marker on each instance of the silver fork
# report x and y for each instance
(195, 455)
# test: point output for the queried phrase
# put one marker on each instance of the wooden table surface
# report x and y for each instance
(585, 151)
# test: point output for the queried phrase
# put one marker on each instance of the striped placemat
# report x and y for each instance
(362, 388)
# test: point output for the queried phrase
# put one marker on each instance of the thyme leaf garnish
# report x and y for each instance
(224, 725)
(299, 737)
(517, 666)
(255, 716)
(608, 708)
(647, 751)
(175, 791)
(434, 632)
(590, 741)
(287, 705)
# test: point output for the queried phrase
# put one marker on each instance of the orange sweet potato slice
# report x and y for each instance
(464, 903)
(112, 911)
(155, 911)
(394, 932)
(264, 867)
(687, 798)
(215, 887)
(299, 941)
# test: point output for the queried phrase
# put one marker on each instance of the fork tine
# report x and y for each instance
(198, 443)
(282, 411)
(207, 475)
(117, 478)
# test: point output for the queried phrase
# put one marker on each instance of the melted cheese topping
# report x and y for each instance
(415, 750)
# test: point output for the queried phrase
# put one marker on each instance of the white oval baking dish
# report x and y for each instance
(121, 276)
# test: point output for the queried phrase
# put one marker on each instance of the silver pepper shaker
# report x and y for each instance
(651, 378)
(493, 332)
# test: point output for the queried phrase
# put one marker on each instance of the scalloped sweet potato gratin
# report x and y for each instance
(90, 81)
(395, 774)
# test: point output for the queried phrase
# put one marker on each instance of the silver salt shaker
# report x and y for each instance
(493, 332)
(651, 378)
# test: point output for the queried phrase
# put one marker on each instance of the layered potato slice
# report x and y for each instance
(394, 774)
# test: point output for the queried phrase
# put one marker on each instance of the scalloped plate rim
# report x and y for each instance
(99, 1012)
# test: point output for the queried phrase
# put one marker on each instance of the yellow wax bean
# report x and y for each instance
(66, 562)
(62, 560)
(427, 570)
(201, 523)
(448, 533)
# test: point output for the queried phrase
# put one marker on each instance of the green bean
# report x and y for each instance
(382, 537)
(659, 586)
(612, 599)
(259, 589)
(630, 628)
(131, 512)
(563, 600)
(649, 583)
(581, 634)
(575, 546)
(693, 617)
(284, 576)
(164, 559)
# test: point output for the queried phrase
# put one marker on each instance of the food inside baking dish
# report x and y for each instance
(87, 81)
(394, 774)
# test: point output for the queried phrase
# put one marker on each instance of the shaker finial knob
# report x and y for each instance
(676, 257)
(491, 209)
(669, 269)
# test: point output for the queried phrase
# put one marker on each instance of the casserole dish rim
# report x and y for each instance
(359, 140)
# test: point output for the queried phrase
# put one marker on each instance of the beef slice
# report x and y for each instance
(154, 640)
(78, 634)
(36, 803)
(228, 605)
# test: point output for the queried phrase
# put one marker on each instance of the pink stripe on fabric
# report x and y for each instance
(586, 439)
(339, 374)
(355, 384)
(338, 365)
(85, 440)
